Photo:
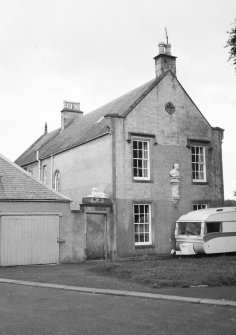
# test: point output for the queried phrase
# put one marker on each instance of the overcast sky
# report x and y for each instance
(92, 51)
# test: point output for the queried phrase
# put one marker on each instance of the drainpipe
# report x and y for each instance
(39, 164)
(113, 133)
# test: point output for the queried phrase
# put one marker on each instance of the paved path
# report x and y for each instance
(93, 290)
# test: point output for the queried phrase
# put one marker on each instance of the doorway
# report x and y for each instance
(96, 236)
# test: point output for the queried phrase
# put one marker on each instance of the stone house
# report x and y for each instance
(127, 149)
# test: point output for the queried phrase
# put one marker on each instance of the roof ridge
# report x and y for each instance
(120, 97)
(146, 92)
(83, 129)
(35, 142)
(32, 145)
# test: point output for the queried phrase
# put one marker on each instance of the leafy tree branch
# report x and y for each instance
(231, 43)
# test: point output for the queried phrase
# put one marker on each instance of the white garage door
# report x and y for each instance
(29, 239)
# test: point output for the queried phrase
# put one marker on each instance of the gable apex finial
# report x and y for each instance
(45, 128)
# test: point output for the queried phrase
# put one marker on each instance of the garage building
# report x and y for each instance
(36, 223)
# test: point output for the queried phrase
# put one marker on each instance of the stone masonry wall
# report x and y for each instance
(168, 145)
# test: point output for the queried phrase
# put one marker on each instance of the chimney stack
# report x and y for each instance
(71, 110)
(164, 61)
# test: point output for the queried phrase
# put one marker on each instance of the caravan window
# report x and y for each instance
(189, 228)
(213, 227)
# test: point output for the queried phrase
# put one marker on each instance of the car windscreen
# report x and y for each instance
(189, 228)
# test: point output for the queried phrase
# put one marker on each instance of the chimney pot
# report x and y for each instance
(73, 106)
(71, 110)
(161, 47)
(168, 48)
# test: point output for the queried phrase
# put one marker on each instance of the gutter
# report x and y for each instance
(74, 146)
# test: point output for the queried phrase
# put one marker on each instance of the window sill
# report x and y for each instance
(142, 181)
(199, 182)
(145, 246)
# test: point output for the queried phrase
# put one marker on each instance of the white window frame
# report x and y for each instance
(198, 160)
(57, 181)
(44, 174)
(141, 155)
(199, 206)
(142, 224)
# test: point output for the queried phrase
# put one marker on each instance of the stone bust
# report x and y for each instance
(174, 173)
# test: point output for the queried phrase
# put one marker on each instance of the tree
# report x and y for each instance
(231, 43)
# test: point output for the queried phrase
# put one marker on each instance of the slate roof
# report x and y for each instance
(17, 184)
(85, 129)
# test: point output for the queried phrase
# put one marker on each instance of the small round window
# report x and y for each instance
(170, 108)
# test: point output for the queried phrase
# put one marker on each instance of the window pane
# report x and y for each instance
(213, 227)
(145, 173)
(136, 218)
(189, 228)
(141, 237)
(141, 228)
(199, 206)
(146, 228)
(141, 218)
(146, 217)
(140, 165)
(145, 154)
(145, 165)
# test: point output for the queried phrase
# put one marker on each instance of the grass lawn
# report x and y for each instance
(175, 272)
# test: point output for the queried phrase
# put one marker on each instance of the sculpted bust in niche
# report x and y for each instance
(174, 173)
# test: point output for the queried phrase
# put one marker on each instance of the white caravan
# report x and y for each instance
(208, 231)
